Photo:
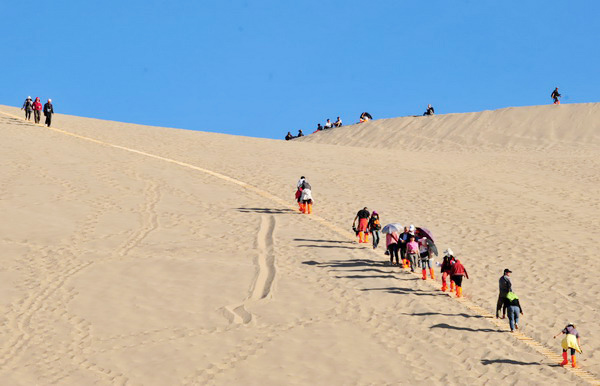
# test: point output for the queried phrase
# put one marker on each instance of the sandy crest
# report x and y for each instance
(121, 269)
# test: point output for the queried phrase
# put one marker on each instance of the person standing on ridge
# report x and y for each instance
(28, 107)
(37, 110)
(456, 274)
(505, 286)
(48, 111)
(570, 341)
(363, 225)
(555, 96)
(374, 228)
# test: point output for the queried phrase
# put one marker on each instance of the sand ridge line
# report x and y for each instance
(588, 377)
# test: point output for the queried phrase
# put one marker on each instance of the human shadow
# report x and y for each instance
(444, 314)
(404, 291)
(265, 210)
(508, 361)
(450, 327)
(388, 276)
(346, 263)
(325, 241)
(326, 246)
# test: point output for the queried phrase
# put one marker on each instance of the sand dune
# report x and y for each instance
(162, 267)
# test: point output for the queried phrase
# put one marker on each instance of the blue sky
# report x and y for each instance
(261, 68)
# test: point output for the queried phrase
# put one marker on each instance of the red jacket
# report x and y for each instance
(37, 105)
(458, 269)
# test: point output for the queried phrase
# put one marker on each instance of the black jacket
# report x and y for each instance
(504, 285)
(48, 109)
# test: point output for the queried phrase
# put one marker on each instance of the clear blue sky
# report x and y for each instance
(261, 68)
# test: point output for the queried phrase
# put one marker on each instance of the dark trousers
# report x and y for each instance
(457, 279)
(36, 116)
(48, 119)
(501, 304)
(28, 115)
(393, 249)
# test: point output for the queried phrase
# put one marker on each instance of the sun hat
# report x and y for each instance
(507, 270)
(448, 252)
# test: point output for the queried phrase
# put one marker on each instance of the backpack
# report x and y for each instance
(375, 224)
(511, 296)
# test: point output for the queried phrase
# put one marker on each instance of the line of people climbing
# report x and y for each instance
(35, 108)
(413, 247)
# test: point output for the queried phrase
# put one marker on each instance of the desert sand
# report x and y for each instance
(136, 255)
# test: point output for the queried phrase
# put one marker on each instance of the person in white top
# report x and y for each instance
(337, 123)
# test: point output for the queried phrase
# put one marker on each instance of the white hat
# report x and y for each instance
(28, 97)
(411, 227)
(49, 100)
(448, 252)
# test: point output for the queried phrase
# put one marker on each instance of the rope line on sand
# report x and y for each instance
(537, 346)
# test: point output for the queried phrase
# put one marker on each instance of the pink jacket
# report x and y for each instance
(391, 238)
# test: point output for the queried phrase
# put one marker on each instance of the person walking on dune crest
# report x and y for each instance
(48, 111)
(374, 228)
(555, 96)
(37, 110)
(28, 107)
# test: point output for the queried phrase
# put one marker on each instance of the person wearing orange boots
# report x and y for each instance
(447, 269)
(570, 341)
(306, 198)
(362, 216)
(426, 259)
(456, 275)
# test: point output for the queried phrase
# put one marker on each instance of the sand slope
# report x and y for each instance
(118, 268)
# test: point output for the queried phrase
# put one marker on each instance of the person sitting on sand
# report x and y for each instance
(429, 111)
(328, 124)
(514, 309)
(365, 117)
(374, 228)
(319, 127)
(412, 251)
(300, 134)
(456, 274)
(570, 341)
(505, 286)
(289, 136)
(555, 95)
(363, 225)
(337, 123)
(447, 269)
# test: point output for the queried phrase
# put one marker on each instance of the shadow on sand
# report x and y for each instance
(450, 327)
(325, 241)
(508, 361)
(443, 314)
(405, 291)
(265, 210)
